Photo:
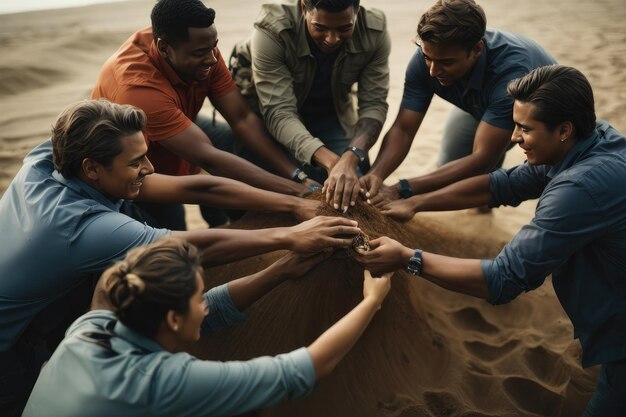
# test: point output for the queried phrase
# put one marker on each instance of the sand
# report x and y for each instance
(51, 59)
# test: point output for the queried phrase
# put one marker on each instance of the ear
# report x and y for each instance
(172, 319)
(302, 7)
(162, 47)
(91, 169)
(566, 131)
(477, 50)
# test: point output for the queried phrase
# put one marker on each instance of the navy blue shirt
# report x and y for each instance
(53, 232)
(578, 234)
(505, 57)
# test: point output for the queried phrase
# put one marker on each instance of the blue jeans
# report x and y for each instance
(458, 137)
(609, 398)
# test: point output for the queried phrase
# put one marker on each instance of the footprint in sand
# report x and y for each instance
(471, 319)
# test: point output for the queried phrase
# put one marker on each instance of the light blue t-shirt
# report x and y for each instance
(505, 57)
(104, 368)
(578, 235)
(53, 232)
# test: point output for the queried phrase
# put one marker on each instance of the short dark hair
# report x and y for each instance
(453, 23)
(151, 281)
(331, 5)
(171, 19)
(92, 129)
(560, 94)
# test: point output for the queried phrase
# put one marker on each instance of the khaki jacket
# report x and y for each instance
(283, 70)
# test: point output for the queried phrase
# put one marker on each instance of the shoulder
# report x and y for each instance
(277, 17)
(374, 19)
(509, 52)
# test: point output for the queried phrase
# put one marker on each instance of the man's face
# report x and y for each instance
(124, 177)
(192, 59)
(540, 145)
(450, 64)
(330, 30)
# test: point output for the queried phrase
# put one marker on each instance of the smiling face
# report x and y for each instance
(329, 30)
(450, 64)
(124, 177)
(192, 59)
(540, 144)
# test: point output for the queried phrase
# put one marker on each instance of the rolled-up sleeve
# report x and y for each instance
(274, 86)
(567, 218)
(222, 311)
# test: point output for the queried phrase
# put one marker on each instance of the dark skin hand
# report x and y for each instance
(342, 186)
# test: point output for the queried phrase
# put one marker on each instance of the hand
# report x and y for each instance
(306, 209)
(401, 210)
(370, 184)
(386, 195)
(376, 288)
(294, 265)
(317, 234)
(385, 255)
(342, 186)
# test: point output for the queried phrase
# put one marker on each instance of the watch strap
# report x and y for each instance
(415, 265)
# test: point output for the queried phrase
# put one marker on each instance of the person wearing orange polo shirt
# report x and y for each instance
(168, 70)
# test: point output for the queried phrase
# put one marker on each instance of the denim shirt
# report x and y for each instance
(54, 231)
(103, 368)
(578, 235)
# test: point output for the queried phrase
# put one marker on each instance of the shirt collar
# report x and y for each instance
(477, 78)
(164, 66)
(84, 189)
(579, 149)
(135, 339)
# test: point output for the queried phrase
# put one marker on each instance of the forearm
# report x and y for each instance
(395, 147)
(366, 133)
(221, 246)
(456, 274)
(255, 137)
(328, 349)
(471, 192)
(228, 165)
(245, 291)
(466, 167)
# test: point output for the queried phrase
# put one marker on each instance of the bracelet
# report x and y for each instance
(405, 189)
(415, 265)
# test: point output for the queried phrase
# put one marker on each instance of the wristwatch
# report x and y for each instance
(415, 265)
(360, 153)
(405, 189)
(299, 175)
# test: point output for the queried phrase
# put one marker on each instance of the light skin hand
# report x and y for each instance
(376, 288)
(319, 233)
(401, 210)
(385, 255)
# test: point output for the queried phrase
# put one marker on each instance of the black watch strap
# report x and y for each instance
(360, 153)
(405, 189)
(415, 265)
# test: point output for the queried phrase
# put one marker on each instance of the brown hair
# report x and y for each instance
(453, 23)
(151, 281)
(92, 129)
(559, 94)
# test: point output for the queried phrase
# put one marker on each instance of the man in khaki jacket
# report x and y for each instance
(306, 59)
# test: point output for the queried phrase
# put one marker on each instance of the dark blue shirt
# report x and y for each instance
(505, 57)
(578, 234)
(53, 232)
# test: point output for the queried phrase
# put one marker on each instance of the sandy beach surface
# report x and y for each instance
(51, 59)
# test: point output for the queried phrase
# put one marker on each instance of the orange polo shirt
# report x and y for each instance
(137, 74)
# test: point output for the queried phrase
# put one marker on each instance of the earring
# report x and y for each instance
(563, 140)
(175, 328)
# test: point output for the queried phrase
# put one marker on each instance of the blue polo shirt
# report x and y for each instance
(506, 56)
(103, 368)
(54, 231)
(578, 234)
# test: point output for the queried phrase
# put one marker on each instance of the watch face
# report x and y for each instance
(302, 176)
